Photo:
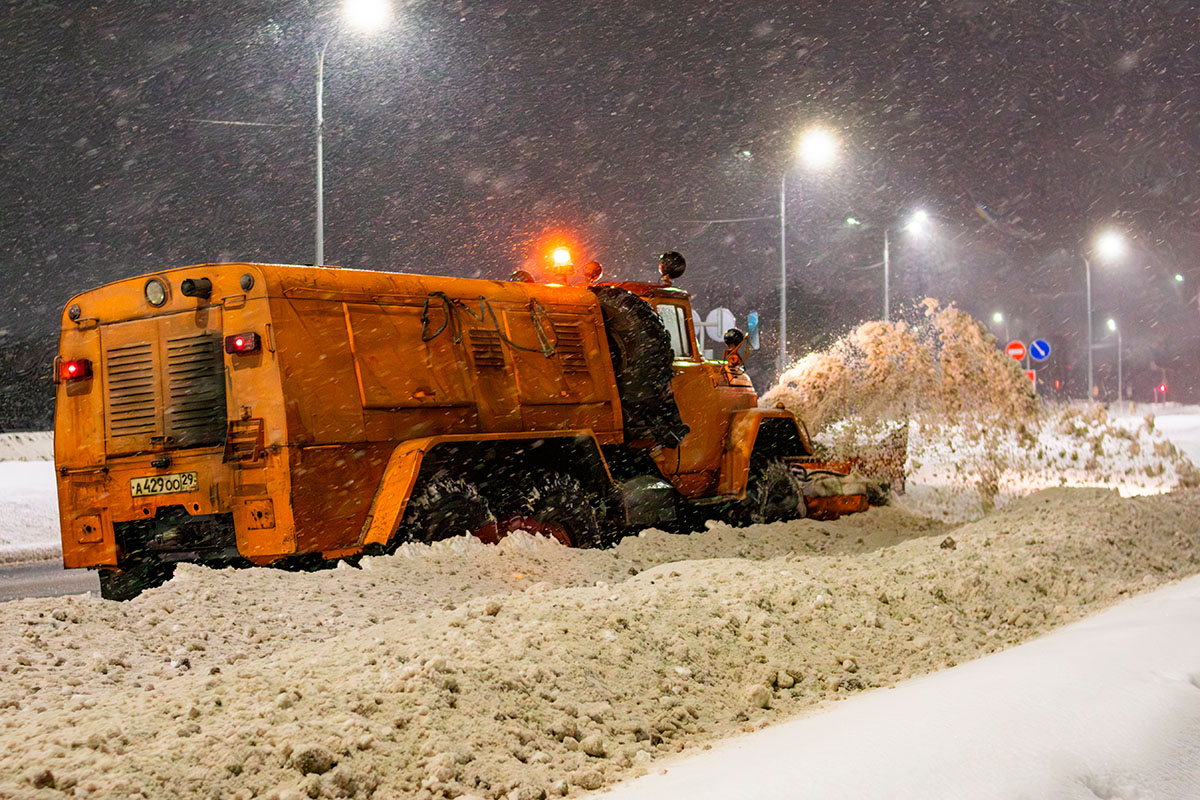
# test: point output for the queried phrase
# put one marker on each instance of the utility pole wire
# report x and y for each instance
(246, 124)
(716, 221)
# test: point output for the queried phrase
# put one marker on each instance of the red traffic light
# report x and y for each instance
(1162, 388)
(74, 370)
(242, 343)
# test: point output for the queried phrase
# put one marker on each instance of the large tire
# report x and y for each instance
(641, 356)
(553, 504)
(442, 508)
(133, 578)
(774, 494)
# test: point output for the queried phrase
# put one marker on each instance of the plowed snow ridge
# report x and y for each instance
(529, 668)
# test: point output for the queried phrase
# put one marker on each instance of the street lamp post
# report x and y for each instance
(1109, 245)
(887, 277)
(817, 147)
(1112, 326)
(1087, 267)
(320, 131)
(364, 15)
(915, 224)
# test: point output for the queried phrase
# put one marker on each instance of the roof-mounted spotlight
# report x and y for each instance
(592, 271)
(671, 266)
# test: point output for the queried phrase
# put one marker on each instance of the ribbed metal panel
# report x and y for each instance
(486, 348)
(195, 395)
(130, 373)
(570, 347)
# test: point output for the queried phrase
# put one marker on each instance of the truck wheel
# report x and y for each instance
(773, 494)
(556, 505)
(135, 577)
(641, 354)
(442, 508)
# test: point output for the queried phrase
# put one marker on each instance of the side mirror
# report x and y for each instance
(734, 359)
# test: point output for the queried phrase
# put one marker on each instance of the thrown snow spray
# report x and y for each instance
(975, 433)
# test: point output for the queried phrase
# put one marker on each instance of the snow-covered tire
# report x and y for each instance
(553, 504)
(641, 355)
(773, 494)
(133, 578)
(444, 507)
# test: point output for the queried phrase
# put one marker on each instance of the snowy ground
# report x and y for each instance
(530, 670)
(1106, 708)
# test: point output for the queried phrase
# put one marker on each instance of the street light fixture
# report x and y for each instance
(816, 148)
(365, 16)
(999, 319)
(1112, 326)
(1109, 245)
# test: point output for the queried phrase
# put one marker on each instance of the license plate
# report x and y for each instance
(164, 484)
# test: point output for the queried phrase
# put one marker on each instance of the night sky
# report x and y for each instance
(465, 135)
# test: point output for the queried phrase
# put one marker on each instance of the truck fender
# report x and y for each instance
(404, 468)
(391, 498)
(780, 432)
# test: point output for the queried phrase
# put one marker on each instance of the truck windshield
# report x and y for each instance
(675, 318)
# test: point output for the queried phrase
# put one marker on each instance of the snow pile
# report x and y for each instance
(31, 446)
(530, 669)
(1104, 708)
(961, 472)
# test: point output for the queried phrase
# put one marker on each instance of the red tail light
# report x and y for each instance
(242, 343)
(74, 370)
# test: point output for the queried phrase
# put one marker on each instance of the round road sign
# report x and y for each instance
(1015, 350)
(1039, 349)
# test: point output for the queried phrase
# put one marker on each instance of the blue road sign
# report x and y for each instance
(1039, 350)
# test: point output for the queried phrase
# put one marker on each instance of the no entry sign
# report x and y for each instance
(1015, 350)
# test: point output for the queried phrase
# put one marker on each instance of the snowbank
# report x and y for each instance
(31, 446)
(28, 512)
(530, 668)
(1108, 707)
(959, 472)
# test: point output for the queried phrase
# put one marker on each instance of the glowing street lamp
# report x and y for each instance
(1109, 245)
(365, 16)
(999, 319)
(816, 148)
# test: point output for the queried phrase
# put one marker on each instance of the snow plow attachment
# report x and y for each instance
(835, 488)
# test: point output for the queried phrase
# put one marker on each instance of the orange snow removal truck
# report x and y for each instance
(254, 414)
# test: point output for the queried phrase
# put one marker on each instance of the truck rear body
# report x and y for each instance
(181, 445)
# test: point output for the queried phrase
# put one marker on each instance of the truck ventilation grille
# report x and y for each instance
(570, 348)
(130, 373)
(486, 348)
(195, 391)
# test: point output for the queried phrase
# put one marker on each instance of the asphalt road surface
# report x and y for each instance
(45, 579)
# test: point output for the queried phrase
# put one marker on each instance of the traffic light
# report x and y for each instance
(1162, 388)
